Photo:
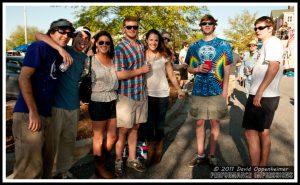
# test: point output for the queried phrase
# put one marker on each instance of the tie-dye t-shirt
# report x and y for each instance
(220, 53)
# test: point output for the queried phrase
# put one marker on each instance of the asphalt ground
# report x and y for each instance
(180, 145)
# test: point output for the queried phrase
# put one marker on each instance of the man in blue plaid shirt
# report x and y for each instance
(132, 105)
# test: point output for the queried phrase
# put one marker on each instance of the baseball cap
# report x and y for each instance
(62, 23)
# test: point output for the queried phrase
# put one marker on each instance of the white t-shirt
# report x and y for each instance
(157, 83)
(183, 53)
(271, 50)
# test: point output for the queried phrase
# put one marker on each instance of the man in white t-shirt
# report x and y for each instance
(183, 70)
(264, 92)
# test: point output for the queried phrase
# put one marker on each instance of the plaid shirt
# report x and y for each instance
(127, 57)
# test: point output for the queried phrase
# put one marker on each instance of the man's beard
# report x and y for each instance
(209, 33)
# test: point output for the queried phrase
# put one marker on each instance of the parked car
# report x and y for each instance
(13, 69)
(13, 53)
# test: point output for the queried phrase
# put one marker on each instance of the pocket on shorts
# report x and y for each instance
(194, 112)
(20, 123)
(194, 108)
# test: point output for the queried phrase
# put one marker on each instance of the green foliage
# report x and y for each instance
(18, 37)
(177, 20)
(240, 31)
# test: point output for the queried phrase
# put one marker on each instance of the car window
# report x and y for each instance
(13, 66)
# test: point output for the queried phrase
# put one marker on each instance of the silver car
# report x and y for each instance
(13, 69)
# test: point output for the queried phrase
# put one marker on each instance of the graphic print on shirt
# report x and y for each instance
(53, 72)
(207, 53)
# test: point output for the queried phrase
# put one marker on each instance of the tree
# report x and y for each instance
(177, 20)
(17, 37)
(240, 31)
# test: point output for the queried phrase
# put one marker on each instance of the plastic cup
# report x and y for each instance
(209, 63)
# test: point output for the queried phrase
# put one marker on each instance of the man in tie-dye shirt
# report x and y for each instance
(209, 60)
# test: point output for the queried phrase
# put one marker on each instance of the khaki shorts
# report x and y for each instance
(209, 107)
(130, 112)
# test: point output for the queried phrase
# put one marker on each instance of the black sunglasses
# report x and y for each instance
(63, 32)
(261, 27)
(130, 27)
(102, 42)
(206, 23)
(167, 39)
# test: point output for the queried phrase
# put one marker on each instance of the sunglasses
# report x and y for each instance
(261, 27)
(102, 42)
(63, 32)
(167, 39)
(206, 23)
(130, 27)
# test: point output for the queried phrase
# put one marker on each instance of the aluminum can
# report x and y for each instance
(63, 67)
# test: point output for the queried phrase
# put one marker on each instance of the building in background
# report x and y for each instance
(285, 27)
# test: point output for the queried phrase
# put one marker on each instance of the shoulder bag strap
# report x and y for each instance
(90, 67)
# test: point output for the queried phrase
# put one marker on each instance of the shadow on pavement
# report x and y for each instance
(237, 132)
(240, 96)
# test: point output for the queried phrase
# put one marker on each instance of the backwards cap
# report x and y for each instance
(82, 28)
(62, 23)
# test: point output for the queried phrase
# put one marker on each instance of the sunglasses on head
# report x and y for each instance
(130, 27)
(63, 32)
(261, 28)
(206, 23)
(167, 39)
(102, 42)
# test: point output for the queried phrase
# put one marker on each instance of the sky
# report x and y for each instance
(41, 15)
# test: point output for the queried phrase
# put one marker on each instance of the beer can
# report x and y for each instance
(63, 67)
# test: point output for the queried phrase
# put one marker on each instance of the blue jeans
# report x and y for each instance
(153, 130)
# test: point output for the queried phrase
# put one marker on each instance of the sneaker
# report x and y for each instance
(197, 160)
(136, 164)
(212, 161)
(64, 175)
(119, 169)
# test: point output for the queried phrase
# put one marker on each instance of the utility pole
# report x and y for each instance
(25, 27)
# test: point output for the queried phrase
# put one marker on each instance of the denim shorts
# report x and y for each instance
(260, 118)
(100, 111)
